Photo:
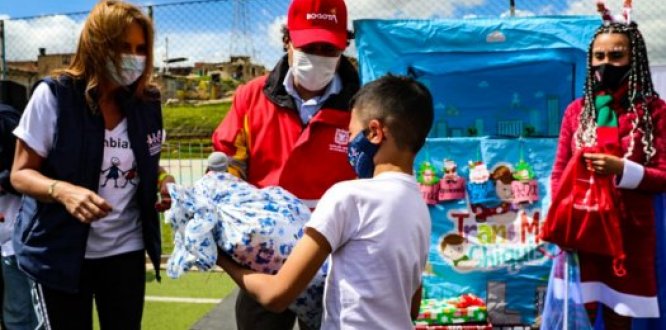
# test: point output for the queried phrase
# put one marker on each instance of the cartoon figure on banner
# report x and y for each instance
(481, 191)
(503, 177)
(451, 186)
(525, 188)
(454, 248)
(428, 182)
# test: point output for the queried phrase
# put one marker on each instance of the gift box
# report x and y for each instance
(451, 189)
(430, 194)
(525, 188)
(525, 191)
(451, 186)
(480, 189)
(428, 183)
(465, 309)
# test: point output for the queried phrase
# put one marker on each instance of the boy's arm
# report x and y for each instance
(416, 303)
(277, 292)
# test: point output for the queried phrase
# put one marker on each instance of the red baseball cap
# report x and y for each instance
(312, 21)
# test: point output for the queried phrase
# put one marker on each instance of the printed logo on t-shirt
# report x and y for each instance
(117, 173)
(341, 139)
(155, 142)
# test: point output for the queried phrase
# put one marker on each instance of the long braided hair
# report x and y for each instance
(640, 92)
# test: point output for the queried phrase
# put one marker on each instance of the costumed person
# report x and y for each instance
(81, 241)
(620, 108)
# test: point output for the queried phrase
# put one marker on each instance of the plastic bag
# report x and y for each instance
(584, 215)
(257, 228)
(564, 307)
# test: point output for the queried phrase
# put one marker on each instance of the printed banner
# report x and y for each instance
(488, 200)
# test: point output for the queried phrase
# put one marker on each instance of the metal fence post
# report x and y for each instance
(2, 48)
(150, 12)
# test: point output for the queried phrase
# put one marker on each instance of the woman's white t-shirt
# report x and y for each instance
(120, 231)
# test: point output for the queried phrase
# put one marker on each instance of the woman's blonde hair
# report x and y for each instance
(101, 41)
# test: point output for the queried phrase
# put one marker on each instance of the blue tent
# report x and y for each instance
(503, 77)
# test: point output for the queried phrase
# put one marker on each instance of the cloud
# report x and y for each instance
(580, 7)
(60, 34)
(519, 13)
(378, 9)
(57, 34)
(407, 8)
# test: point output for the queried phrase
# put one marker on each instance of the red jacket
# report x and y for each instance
(269, 145)
(636, 207)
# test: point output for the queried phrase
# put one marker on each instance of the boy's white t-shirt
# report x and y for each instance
(379, 232)
(120, 231)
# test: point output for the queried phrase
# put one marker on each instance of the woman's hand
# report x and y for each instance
(80, 202)
(604, 164)
(164, 199)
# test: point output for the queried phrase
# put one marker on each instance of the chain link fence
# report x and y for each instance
(205, 48)
(209, 35)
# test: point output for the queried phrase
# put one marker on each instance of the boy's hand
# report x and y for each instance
(277, 292)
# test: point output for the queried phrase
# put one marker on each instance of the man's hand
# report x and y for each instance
(604, 164)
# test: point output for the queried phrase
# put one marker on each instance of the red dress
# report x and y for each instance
(634, 294)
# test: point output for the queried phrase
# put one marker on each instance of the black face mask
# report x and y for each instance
(609, 77)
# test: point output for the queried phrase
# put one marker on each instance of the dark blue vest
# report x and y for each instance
(50, 244)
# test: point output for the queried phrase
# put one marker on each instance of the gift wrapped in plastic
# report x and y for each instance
(257, 228)
(464, 309)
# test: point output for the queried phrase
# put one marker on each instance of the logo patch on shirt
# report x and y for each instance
(155, 143)
(340, 140)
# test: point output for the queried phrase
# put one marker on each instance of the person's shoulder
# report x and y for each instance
(152, 93)
(250, 89)
(343, 191)
(254, 84)
(576, 105)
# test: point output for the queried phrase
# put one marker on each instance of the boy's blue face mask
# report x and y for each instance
(360, 152)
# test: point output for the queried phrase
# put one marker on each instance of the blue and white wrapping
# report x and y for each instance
(258, 228)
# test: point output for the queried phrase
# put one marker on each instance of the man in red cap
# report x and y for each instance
(290, 127)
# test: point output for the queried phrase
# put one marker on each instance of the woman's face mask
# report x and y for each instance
(609, 77)
(131, 69)
(313, 72)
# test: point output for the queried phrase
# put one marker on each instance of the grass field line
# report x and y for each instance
(183, 300)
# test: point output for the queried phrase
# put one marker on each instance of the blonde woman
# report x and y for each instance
(82, 231)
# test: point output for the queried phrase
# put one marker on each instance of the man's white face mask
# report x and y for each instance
(313, 72)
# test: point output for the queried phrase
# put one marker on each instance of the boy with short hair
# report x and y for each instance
(377, 228)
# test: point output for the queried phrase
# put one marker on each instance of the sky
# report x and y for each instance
(48, 7)
(212, 30)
